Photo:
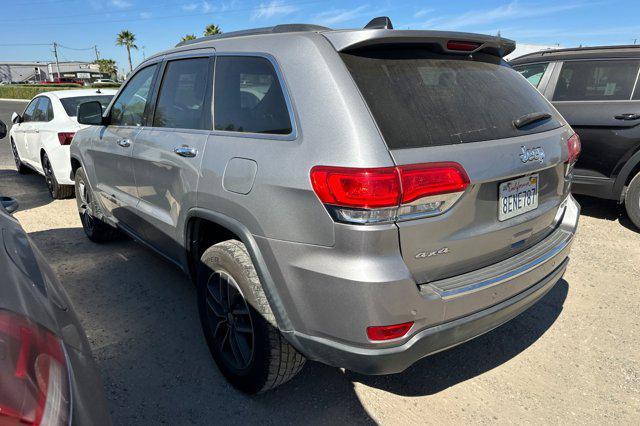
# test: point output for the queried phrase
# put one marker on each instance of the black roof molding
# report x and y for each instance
(379, 23)
(286, 28)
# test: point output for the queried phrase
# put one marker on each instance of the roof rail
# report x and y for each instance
(579, 49)
(286, 28)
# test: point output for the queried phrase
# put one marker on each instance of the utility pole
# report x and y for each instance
(95, 47)
(55, 53)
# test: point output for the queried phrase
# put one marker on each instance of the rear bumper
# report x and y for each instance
(466, 307)
(428, 341)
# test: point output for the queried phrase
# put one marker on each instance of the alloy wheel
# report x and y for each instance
(16, 157)
(84, 206)
(230, 320)
(48, 173)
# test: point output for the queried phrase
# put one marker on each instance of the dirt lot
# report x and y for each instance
(573, 358)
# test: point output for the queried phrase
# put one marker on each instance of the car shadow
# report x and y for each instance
(30, 190)
(605, 209)
(140, 316)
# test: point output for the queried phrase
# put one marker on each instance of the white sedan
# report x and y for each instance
(41, 135)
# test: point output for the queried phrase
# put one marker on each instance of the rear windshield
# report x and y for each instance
(421, 98)
(71, 104)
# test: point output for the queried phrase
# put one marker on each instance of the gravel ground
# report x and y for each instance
(574, 358)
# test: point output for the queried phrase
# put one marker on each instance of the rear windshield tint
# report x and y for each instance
(71, 104)
(421, 98)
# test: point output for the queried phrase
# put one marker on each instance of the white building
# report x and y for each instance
(35, 72)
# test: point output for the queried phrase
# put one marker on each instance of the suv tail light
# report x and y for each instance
(385, 194)
(34, 381)
(65, 138)
(574, 147)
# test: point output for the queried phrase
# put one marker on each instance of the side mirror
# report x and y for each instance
(90, 113)
(9, 204)
(15, 118)
(3, 130)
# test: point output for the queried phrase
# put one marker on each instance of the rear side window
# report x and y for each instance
(129, 108)
(248, 97)
(532, 72)
(596, 80)
(70, 105)
(181, 102)
(420, 98)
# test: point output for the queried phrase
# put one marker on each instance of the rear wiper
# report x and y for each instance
(530, 119)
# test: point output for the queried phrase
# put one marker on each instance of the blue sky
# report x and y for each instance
(28, 25)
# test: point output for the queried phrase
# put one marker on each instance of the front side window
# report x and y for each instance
(248, 97)
(596, 81)
(129, 108)
(181, 102)
(29, 111)
(532, 72)
(43, 111)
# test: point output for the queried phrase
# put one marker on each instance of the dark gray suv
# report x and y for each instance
(362, 198)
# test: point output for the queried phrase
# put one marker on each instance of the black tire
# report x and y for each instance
(238, 323)
(57, 191)
(20, 167)
(95, 229)
(632, 200)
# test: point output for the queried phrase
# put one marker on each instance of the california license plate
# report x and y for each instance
(517, 197)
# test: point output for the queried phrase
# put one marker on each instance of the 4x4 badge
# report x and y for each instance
(425, 254)
(533, 154)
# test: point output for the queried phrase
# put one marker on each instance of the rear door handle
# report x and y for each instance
(628, 117)
(186, 151)
(36, 131)
(125, 143)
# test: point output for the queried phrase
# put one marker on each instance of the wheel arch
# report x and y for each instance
(205, 228)
(75, 165)
(627, 172)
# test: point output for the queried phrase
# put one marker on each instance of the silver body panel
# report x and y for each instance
(328, 281)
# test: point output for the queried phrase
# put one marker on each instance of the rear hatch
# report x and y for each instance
(433, 104)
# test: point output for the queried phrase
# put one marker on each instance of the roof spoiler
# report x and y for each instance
(450, 42)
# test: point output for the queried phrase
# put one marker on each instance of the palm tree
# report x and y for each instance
(212, 29)
(188, 37)
(127, 39)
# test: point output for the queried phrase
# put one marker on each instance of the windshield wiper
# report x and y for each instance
(530, 119)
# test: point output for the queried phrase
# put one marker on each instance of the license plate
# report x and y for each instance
(517, 197)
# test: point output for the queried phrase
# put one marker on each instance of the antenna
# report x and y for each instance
(379, 23)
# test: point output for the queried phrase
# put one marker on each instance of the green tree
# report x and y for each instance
(107, 66)
(127, 39)
(212, 29)
(188, 37)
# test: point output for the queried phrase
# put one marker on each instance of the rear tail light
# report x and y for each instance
(65, 138)
(375, 195)
(34, 381)
(388, 332)
(462, 46)
(574, 147)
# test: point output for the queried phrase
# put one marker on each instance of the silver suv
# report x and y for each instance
(362, 198)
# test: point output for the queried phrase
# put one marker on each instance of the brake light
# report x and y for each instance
(384, 194)
(361, 188)
(65, 138)
(34, 383)
(388, 332)
(574, 146)
(462, 46)
(425, 180)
